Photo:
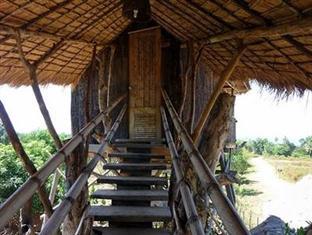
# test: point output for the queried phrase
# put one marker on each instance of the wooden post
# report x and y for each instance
(226, 74)
(28, 164)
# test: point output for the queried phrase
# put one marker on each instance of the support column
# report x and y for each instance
(226, 74)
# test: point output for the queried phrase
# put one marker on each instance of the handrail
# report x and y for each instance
(25, 192)
(188, 202)
(232, 221)
(60, 213)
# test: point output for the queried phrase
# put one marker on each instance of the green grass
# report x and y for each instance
(291, 169)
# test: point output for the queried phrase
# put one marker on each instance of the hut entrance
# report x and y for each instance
(144, 81)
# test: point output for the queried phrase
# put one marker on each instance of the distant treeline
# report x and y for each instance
(263, 146)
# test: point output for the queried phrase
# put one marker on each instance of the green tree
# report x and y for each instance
(39, 146)
(286, 148)
(261, 146)
(306, 144)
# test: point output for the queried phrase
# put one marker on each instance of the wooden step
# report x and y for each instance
(135, 166)
(129, 213)
(137, 145)
(132, 180)
(140, 140)
(131, 195)
(128, 231)
(136, 155)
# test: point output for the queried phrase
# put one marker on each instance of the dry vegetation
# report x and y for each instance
(291, 169)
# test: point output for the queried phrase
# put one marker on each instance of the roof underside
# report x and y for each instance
(74, 26)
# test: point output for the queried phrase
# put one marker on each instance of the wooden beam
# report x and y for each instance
(216, 18)
(46, 13)
(232, 14)
(49, 53)
(31, 68)
(298, 45)
(28, 164)
(226, 74)
(302, 25)
(28, 33)
(245, 6)
(292, 7)
(37, 18)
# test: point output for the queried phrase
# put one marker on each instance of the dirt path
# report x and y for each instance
(290, 201)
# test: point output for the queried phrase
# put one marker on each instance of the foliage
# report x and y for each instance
(39, 146)
(290, 231)
(306, 145)
(3, 135)
(262, 146)
(240, 161)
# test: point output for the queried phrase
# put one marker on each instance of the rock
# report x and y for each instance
(273, 225)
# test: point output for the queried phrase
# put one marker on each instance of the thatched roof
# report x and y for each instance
(282, 59)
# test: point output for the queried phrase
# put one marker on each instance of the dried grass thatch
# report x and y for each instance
(284, 61)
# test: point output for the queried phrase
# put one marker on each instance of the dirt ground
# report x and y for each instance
(270, 195)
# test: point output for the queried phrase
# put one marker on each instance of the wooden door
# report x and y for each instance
(144, 81)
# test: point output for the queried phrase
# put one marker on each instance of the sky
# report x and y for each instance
(258, 113)
(24, 111)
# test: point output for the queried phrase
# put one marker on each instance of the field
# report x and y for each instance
(291, 169)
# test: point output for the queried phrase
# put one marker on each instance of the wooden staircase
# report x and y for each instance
(133, 208)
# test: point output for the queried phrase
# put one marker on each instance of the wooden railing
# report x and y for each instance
(16, 201)
(195, 224)
(229, 216)
(62, 210)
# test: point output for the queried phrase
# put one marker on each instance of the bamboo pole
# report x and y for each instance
(225, 209)
(25, 192)
(60, 213)
(226, 74)
(188, 202)
(28, 164)
(303, 25)
(110, 68)
(28, 33)
(31, 68)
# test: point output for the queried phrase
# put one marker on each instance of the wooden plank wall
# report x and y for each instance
(144, 80)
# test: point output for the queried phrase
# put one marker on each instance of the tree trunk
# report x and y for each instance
(26, 218)
(217, 129)
(212, 142)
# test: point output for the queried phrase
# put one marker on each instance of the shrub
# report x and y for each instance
(240, 161)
